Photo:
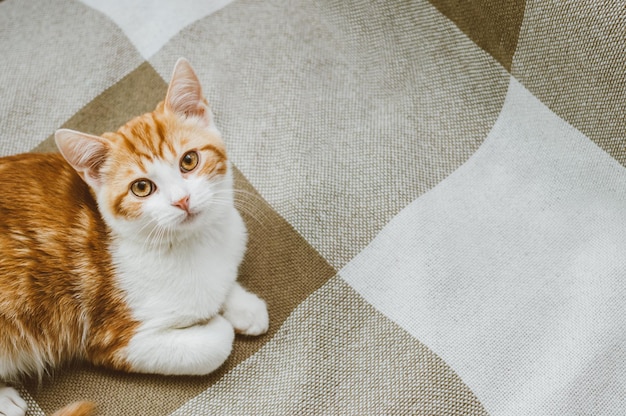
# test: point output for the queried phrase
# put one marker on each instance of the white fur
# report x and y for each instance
(195, 350)
(11, 404)
(246, 312)
(177, 281)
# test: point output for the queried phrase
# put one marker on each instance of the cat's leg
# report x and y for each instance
(195, 350)
(246, 311)
(11, 404)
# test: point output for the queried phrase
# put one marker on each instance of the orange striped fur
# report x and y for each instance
(58, 298)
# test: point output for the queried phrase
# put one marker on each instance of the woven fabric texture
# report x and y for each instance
(435, 193)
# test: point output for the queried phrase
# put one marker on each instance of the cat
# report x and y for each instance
(123, 250)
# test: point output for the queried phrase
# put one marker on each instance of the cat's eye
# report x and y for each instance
(189, 161)
(142, 187)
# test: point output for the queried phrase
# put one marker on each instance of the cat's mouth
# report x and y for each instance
(190, 217)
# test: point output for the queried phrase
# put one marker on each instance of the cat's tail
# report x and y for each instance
(77, 409)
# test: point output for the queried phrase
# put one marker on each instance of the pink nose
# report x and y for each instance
(183, 203)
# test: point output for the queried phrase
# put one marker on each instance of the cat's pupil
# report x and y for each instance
(142, 187)
(189, 161)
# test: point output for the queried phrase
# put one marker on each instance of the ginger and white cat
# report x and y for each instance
(124, 249)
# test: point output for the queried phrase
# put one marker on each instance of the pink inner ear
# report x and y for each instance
(184, 95)
(200, 111)
(86, 153)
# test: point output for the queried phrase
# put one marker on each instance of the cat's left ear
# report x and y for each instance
(184, 94)
(86, 154)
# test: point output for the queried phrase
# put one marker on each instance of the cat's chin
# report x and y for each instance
(195, 219)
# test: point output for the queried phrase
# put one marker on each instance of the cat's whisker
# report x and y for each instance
(248, 210)
(157, 234)
(239, 193)
(248, 193)
(244, 206)
(242, 196)
(154, 229)
(163, 240)
(248, 202)
(152, 223)
(156, 242)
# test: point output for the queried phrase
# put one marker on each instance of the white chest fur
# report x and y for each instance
(185, 282)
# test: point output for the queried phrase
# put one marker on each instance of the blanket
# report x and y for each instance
(434, 190)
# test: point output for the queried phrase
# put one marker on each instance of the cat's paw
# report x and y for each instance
(251, 319)
(246, 312)
(11, 404)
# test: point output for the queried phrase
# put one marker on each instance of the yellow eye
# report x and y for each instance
(142, 187)
(189, 161)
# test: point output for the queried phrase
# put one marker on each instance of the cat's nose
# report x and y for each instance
(183, 203)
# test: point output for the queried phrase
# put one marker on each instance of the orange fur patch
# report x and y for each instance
(76, 409)
(59, 299)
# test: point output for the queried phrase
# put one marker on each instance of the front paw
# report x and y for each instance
(247, 313)
(11, 404)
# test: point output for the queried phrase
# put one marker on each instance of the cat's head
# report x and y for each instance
(164, 174)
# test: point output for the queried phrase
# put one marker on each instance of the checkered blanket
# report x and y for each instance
(435, 193)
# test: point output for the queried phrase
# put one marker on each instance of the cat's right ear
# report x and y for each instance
(184, 94)
(86, 154)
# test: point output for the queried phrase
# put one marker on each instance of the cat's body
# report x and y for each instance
(126, 256)
(57, 280)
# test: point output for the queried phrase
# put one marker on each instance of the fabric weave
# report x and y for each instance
(434, 190)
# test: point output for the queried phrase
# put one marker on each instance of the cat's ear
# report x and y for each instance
(86, 154)
(184, 94)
